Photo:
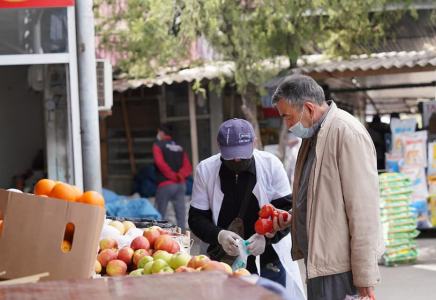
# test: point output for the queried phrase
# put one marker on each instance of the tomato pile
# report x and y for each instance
(266, 215)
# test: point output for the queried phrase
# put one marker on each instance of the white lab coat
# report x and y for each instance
(272, 183)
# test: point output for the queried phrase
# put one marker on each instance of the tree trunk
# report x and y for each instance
(250, 111)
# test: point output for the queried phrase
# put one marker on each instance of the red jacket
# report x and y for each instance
(172, 163)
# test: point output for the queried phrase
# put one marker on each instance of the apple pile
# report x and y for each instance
(122, 227)
(153, 253)
(266, 217)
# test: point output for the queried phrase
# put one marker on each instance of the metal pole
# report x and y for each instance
(193, 126)
(88, 95)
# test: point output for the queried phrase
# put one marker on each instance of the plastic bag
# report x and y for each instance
(394, 210)
(391, 204)
(418, 178)
(399, 197)
(401, 257)
(399, 242)
(402, 235)
(241, 260)
(392, 162)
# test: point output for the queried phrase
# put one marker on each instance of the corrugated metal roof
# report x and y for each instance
(320, 64)
(209, 71)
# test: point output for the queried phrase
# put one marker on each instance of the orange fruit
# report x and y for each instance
(44, 187)
(79, 192)
(63, 191)
(93, 198)
(1, 226)
(66, 246)
(69, 232)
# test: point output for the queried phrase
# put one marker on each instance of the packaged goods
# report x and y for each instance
(415, 148)
(400, 248)
(420, 210)
(431, 184)
(399, 197)
(404, 256)
(390, 177)
(394, 210)
(399, 222)
(395, 184)
(396, 191)
(402, 215)
(400, 126)
(400, 242)
(392, 161)
(432, 158)
(400, 229)
(433, 210)
(392, 204)
(419, 180)
(402, 235)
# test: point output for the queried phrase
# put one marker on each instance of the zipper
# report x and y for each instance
(236, 178)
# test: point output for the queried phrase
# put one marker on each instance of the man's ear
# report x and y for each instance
(218, 144)
(255, 142)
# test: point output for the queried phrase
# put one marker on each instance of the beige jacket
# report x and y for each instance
(343, 212)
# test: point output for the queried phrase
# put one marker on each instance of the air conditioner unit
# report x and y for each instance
(104, 85)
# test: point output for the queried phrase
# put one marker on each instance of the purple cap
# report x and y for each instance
(236, 139)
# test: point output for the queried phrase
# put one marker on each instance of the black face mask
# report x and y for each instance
(238, 166)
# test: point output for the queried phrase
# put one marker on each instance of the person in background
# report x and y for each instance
(377, 131)
(240, 175)
(336, 225)
(172, 168)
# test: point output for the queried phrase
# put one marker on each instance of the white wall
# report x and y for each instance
(21, 123)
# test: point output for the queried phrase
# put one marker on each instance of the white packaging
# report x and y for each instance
(400, 126)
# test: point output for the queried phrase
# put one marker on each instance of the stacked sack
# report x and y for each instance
(398, 220)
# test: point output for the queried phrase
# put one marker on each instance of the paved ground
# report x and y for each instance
(407, 282)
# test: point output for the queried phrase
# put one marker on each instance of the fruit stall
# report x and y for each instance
(75, 249)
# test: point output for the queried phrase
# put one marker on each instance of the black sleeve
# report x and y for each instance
(201, 224)
(284, 203)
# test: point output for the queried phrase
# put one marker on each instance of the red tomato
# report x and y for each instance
(275, 214)
(284, 215)
(266, 211)
(263, 226)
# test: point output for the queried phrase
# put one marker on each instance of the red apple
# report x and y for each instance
(126, 255)
(198, 261)
(108, 243)
(213, 265)
(151, 234)
(140, 243)
(176, 247)
(164, 242)
(140, 253)
(116, 268)
(184, 269)
(105, 256)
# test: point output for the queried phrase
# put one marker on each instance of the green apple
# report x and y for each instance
(147, 268)
(158, 265)
(179, 259)
(137, 272)
(168, 270)
(143, 261)
(161, 254)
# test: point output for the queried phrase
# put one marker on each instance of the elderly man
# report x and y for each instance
(336, 224)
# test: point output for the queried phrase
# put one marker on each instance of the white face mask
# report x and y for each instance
(300, 131)
(158, 137)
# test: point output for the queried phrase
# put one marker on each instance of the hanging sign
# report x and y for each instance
(35, 3)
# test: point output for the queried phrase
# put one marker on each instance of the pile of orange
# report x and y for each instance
(65, 191)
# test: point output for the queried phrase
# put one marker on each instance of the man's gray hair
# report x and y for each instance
(298, 89)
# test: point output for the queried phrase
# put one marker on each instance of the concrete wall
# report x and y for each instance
(21, 123)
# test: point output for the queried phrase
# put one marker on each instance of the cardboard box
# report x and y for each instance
(33, 232)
